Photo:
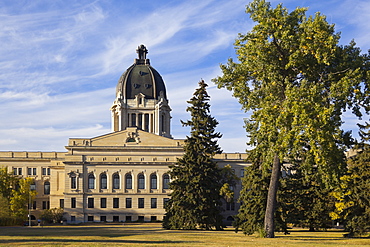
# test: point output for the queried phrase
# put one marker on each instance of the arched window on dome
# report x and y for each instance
(91, 181)
(116, 182)
(153, 181)
(103, 181)
(166, 181)
(128, 181)
(47, 188)
(141, 181)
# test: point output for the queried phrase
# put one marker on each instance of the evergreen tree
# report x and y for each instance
(353, 205)
(296, 81)
(196, 180)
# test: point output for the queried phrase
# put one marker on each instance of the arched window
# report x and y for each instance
(103, 181)
(47, 188)
(128, 181)
(141, 181)
(91, 181)
(116, 182)
(153, 181)
(166, 181)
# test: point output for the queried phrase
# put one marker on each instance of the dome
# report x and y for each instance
(141, 78)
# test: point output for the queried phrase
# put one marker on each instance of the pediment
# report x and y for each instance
(128, 137)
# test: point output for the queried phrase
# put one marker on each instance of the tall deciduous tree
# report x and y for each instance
(296, 81)
(22, 198)
(195, 198)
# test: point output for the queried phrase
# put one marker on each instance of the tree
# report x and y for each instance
(7, 183)
(296, 81)
(22, 197)
(353, 205)
(54, 215)
(195, 198)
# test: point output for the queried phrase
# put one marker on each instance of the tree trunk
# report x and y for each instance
(271, 198)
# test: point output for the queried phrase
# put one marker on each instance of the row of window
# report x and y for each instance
(31, 171)
(116, 202)
(45, 205)
(116, 218)
(116, 181)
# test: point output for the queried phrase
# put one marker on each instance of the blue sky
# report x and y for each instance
(60, 61)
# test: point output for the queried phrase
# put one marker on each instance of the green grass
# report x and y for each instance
(151, 234)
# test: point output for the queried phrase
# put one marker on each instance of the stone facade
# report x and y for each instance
(120, 176)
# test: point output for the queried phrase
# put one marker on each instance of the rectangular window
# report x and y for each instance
(128, 218)
(44, 171)
(14, 171)
(140, 218)
(48, 170)
(128, 202)
(115, 218)
(90, 218)
(61, 203)
(19, 171)
(153, 202)
(43, 204)
(34, 205)
(230, 206)
(90, 202)
(103, 218)
(34, 171)
(73, 218)
(48, 204)
(115, 202)
(241, 173)
(153, 218)
(73, 202)
(29, 171)
(73, 183)
(103, 202)
(165, 201)
(141, 203)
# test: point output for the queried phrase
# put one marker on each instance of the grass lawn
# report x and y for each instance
(151, 234)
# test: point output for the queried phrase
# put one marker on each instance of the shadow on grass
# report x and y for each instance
(94, 241)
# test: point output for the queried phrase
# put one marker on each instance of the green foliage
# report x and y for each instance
(22, 197)
(228, 181)
(195, 198)
(7, 183)
(54, 215)
(353, 205)
(296, 81)
(253, 199)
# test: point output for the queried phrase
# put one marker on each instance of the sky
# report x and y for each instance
(60, 62)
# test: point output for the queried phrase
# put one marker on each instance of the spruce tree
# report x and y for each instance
(196, 180)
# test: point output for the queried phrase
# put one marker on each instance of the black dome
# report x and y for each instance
(141, 78)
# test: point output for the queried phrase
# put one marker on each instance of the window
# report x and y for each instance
(19, 171)
(73, 181)
(115, 202)
(61, 203)
(90, 202)
(29, 171)
(128, 202)
(103, 202)
(90, 218)
(33, 185)
(116, 181)
(73, 218)
(141, 181)
(34, 205)
(141, 203)
(73, 202)
(14, 171)
(44, 205)
(103, 181)
(241, 172)
(47, 188)
(103, 218)
(166, 181)
(153, 218)
(48, 171)
(153, 202)
(165, 201)
(43, 171)
(91, 181)
(128, 218)
(128, 181)
(153, 181)
(230, 206)
(34, 171)
(140, 218)
(133, 120)
(115, 218)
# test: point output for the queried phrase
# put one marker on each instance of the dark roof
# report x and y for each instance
(141, 78)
